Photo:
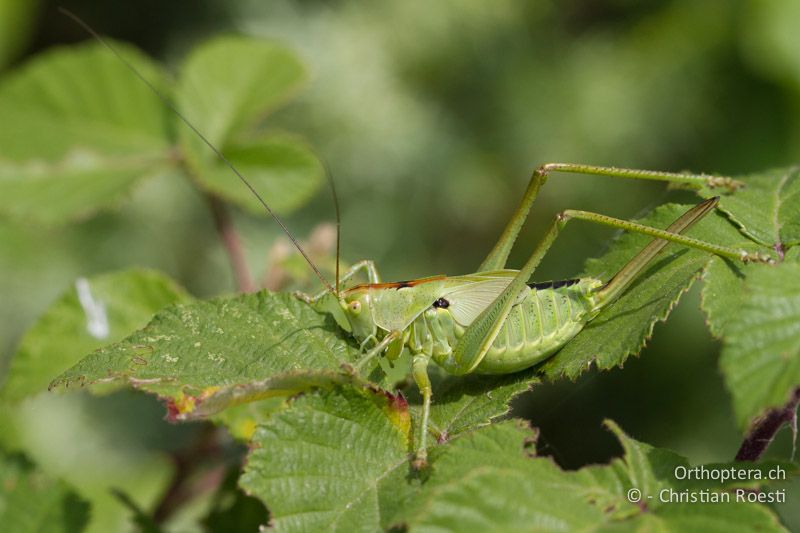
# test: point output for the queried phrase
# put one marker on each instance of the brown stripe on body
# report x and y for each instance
(395, 284)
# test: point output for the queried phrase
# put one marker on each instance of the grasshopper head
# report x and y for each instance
(357, 307)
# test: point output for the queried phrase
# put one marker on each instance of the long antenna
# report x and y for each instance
(219, 154)
(332, 184)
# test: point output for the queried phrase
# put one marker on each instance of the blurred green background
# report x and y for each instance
(431, 116)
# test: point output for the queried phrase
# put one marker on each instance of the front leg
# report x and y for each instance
(366, 265)
(391, 339)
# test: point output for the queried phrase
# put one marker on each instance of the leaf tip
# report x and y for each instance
(614, 428)
(396, 409)
(64, 381)
(182, 405)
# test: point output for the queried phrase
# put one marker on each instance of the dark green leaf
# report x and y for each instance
(31, 501)
(232, 510)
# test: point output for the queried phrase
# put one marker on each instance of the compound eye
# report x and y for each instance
(355, 307)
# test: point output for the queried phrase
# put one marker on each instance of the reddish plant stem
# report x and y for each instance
(199, 469)
(232, 243)
(763, 431)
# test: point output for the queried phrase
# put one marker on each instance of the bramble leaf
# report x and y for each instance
(330, 460)
(209, 355)
(338, 460)
(226, 88)
(761, 352)
(767, 208)
(78, 131)
(115, 449)
(281, 167)
(89, 315)
(755, 309)
(722, 293)
(464, 403)
(228, 84)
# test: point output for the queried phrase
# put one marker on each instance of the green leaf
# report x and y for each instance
(329, 461)
(767, 208)
(33, 501)
(708, 517)
(487, 480)
(761, 355)
(464, 403)
(723, 290)
(338, 460)
(227, 86)
(502, 499)
(206, 356)
(91, 314)
(69, 190)
(282, 168)
(78, 130)
(622, 328)
(115, 432)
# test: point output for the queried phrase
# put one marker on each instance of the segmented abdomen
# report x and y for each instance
(542, 321)
(538, 326)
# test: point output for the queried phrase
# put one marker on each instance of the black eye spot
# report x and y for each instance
(441, 303)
